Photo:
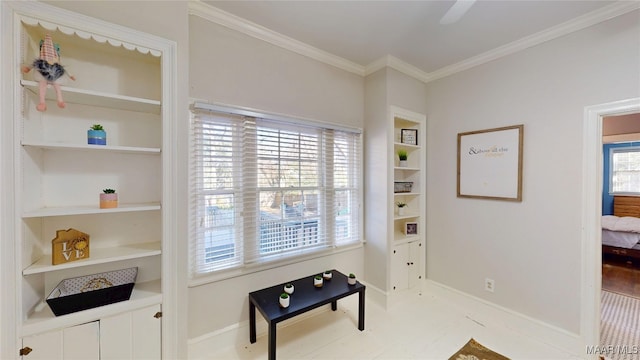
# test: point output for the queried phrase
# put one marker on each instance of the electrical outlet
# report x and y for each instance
(489, 284)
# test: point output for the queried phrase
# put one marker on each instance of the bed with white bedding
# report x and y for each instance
(621, 231)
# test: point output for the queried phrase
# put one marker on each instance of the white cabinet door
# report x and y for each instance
(400, 267)
(74, 343)
(132, 335)
(406, 265)
(415, 265)
(82, 342)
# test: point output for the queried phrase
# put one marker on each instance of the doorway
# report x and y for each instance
(591, 215)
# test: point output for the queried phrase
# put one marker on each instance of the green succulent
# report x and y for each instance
(97, 127)
(108, 191)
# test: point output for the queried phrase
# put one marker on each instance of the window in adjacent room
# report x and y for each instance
(270, 189)
(624, 174)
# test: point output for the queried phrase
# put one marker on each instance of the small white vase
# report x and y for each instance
(351, 281)
(401, 211)
(327, 276)
(317, 282)
(284, 303)
(289, 290)
(403, 163)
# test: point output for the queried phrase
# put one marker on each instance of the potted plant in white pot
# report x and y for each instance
(351, 280)
(288, 288)
(96, 135)
(403, 156)
(284, 300)
(401, 206)
(317, 281)
(108, 199)
(327, 275)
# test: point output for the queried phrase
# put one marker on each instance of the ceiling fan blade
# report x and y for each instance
(456, 11)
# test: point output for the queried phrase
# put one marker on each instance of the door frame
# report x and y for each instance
(592, 164)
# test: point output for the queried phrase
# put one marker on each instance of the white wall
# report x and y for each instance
(531, 249)
(232, 68)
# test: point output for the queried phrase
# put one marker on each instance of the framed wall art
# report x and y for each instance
(409, 136)
(411, 228)
(490, 163)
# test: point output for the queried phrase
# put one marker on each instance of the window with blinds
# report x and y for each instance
(624, 177)
(264, 190)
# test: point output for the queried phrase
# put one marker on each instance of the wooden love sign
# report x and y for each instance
(69, 245)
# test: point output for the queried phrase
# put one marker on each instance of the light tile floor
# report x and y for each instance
(420, 326)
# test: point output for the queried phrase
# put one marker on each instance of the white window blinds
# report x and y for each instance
(263, 190)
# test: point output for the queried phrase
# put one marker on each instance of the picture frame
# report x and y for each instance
(490, 163)
(409, 136)
(411, 228)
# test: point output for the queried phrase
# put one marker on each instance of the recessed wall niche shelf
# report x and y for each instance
(407, 251)
(125, 81)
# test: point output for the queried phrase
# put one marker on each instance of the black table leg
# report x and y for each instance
(334, 305)
(361, 310)
(252, 322)
(272, 340)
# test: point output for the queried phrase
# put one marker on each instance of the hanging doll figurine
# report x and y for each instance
(48, 71)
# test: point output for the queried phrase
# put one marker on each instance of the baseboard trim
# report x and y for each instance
(483, 310)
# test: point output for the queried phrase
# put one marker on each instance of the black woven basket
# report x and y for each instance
(91, 291)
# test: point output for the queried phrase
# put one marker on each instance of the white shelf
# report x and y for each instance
(406, 168)
(401, 238)
(85, 147)
(406, 194)
(97, 256)
(409, 146)
(144, 294)
(83, 210)
(96, 98)
(406, 216)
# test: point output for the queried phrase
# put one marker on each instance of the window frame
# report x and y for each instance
(612, 152)
(197, 277)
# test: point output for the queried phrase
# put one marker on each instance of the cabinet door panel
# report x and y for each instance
(115, 337)
(132, 335)
(82, 342)
(147, 333)
(47, 346)
(415, 265)
(399, 267)
(74, 343)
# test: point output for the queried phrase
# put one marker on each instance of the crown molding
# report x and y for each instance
(579, 23)
(244, 26)
(252, 29)
(397, 64)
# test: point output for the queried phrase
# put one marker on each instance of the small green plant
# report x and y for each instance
(289, 285)
(318, 277)
(328, 272)
(97, 127)
(402, 154)
(108, 191)
(352, 275)
(284, 295)
(401, 204)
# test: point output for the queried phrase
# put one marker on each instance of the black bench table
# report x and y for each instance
(304, 298)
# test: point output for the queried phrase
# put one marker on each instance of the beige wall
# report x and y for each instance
(234, 69)
(532, 249)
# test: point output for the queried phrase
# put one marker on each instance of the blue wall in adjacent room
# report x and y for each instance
(607, 199)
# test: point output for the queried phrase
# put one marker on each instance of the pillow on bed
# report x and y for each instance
(626, 223)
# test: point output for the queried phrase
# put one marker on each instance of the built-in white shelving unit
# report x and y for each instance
(407, 248)
(123, 81)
